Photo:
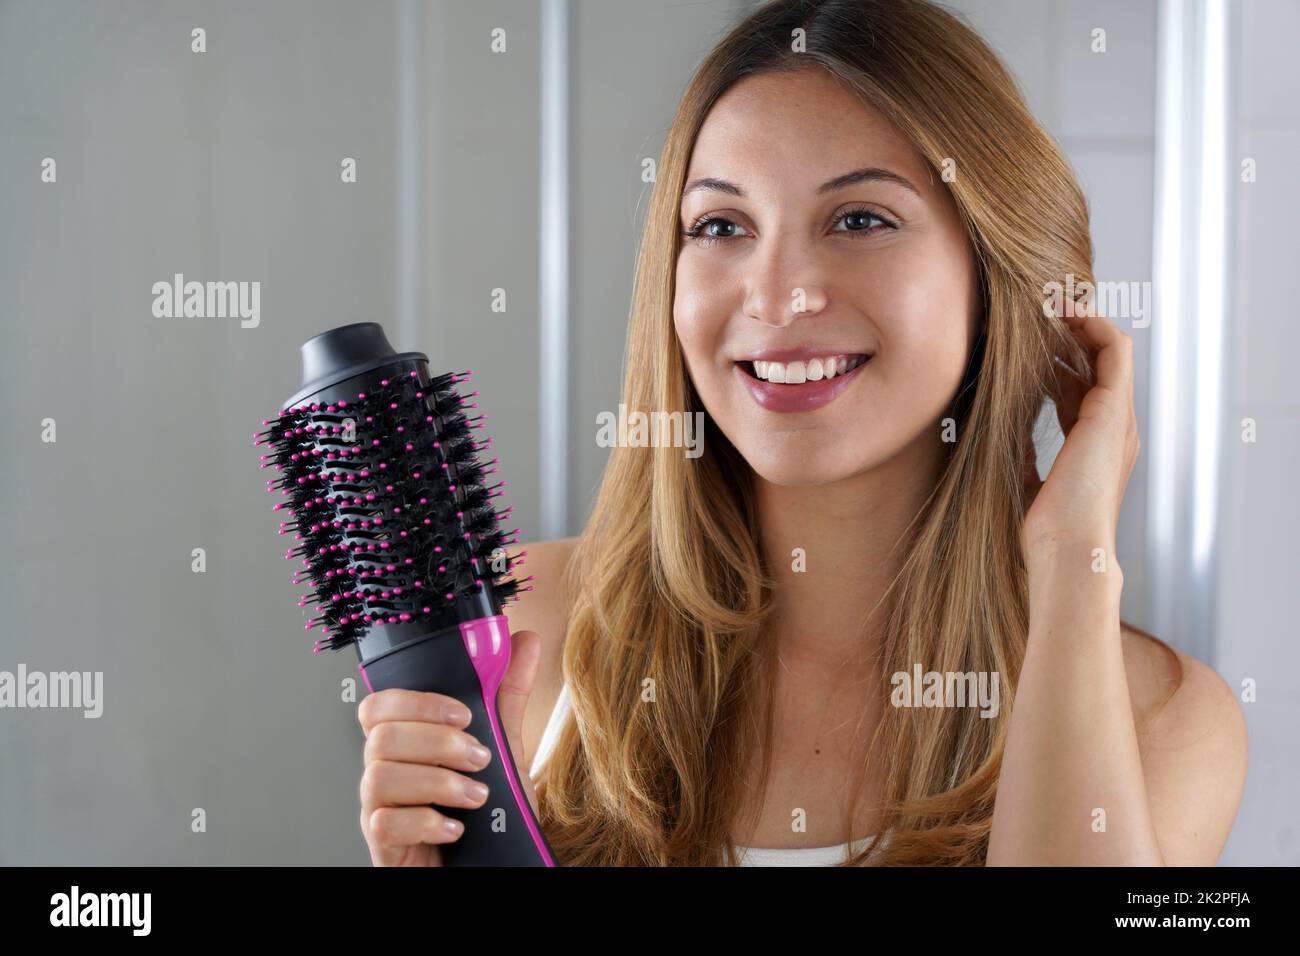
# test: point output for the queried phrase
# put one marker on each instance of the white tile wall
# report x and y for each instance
(1109, 95)
(1269, 78)
(1266, 257)
(1259, 600)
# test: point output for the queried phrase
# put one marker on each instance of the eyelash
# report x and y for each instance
(697, 227)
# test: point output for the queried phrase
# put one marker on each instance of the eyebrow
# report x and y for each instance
(868, 174)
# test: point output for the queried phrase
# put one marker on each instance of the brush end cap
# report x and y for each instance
(342, 353)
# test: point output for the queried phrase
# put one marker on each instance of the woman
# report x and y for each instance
(846, 265)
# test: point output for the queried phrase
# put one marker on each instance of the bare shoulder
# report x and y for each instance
(544, 609)
(1192, 737)
(546, 604)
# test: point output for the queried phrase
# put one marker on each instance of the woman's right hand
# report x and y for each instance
(417, 752)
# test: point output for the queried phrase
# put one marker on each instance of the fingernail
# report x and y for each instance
(476, 789)
(480, 754)
(455, 713)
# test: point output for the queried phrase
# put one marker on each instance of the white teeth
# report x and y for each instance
(814, 370)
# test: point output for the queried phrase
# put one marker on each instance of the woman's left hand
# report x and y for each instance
(1078, 505)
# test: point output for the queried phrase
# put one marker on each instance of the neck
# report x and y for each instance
(852, 533)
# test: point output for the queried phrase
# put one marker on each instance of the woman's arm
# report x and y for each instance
(1081, 782)
(1072, 790)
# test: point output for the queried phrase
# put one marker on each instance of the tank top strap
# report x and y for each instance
(551, 734)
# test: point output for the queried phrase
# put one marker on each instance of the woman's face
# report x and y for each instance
(797, 262)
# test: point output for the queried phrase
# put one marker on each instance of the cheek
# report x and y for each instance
(926, 335)
(698, 319)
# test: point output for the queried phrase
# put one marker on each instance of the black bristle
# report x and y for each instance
(398, 523)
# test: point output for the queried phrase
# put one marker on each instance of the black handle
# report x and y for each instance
(503, 831)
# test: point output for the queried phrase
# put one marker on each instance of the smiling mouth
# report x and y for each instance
(799, 372)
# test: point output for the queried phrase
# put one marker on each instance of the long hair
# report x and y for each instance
(663, 650)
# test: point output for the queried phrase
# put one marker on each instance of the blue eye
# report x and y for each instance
(697, 234)
(698, 227)
(858, 214)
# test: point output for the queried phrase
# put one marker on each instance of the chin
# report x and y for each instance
(807, 468)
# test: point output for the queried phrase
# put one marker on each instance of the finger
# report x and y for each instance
(407, 826)
(517, 686)
(1067, 394)
(437, 745)
(388, 784)
(1114, 350)
(398, 704)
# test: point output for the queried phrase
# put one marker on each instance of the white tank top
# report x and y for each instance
(746, 855)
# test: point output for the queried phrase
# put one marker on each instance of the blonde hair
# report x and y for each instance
(668, 579)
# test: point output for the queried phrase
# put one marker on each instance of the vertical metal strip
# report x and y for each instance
(409, 212)
(1212, 229)
(1164, 427)
(553, 274)
(1187, 374)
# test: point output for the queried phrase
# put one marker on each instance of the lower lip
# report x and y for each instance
(805, 397)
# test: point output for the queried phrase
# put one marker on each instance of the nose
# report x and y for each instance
(784, 284)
